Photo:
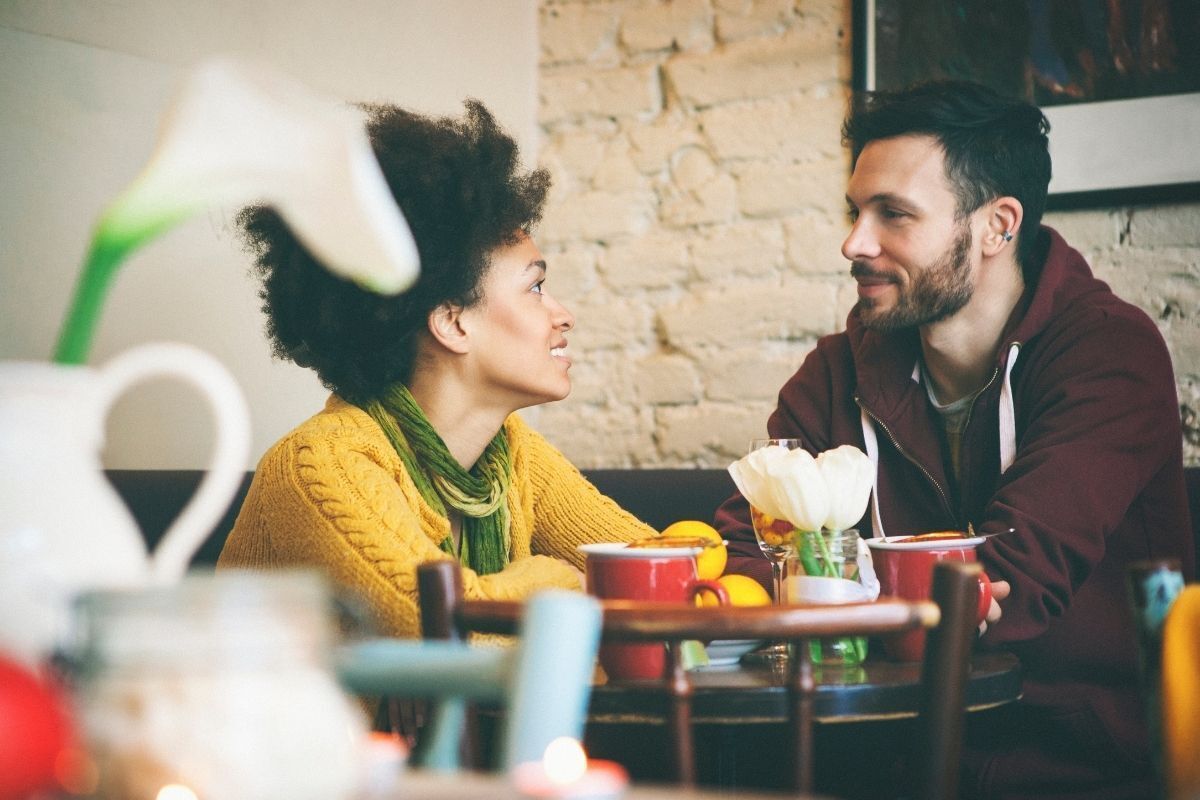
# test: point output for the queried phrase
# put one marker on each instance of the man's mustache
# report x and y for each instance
(860, 270)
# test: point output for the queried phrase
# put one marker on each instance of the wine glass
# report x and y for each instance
(775, 540)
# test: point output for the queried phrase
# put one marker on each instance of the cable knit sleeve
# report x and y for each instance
(562, 508)
(334, 495)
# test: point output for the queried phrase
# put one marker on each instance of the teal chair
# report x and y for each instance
(544, 681)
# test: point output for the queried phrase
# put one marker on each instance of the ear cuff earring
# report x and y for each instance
(1006, 236)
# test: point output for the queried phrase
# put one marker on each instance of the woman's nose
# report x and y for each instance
(562, 317)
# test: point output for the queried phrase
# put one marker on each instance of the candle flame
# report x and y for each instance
(175, 791)
(564, 761)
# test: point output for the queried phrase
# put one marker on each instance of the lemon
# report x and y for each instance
(743, 591)
(710, 562)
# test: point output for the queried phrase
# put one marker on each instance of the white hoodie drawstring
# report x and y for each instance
(1008, 435)
(872, 443)
(1008, 413)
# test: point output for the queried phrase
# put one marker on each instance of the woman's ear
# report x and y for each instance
(1003, 225)
(446, 328)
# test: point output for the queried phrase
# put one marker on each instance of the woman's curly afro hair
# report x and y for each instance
(459, 184)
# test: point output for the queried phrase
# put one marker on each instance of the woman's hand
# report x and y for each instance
(578, 574)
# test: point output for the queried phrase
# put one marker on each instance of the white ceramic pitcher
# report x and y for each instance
(63, 528)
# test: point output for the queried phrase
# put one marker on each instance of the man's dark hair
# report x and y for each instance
(459, 184)
(993, 145)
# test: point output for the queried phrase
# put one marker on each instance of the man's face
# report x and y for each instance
(911, 256)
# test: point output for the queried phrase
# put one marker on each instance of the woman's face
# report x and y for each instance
(518, 331)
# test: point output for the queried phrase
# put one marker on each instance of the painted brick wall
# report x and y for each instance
(696, 219)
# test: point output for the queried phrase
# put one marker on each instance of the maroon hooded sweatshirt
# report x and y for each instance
(1076, 444)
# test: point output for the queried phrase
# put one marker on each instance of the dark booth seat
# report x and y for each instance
(657, 496)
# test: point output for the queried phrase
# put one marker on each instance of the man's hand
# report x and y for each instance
(1000, 590)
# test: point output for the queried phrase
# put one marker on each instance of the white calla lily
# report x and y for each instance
(242, 134)
(785, 484)
(849, 476)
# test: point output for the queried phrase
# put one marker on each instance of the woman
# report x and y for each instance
(417, 455)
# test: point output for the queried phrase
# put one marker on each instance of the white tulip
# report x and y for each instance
(802, 492)
(849, 476)
(752, 476)
(785, 484)
(241, 134)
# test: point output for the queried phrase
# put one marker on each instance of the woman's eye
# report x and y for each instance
(537, 287)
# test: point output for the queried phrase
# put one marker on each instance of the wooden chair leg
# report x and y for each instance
(937, 746)
(439, 586)
(680, 717)
(402, 717)
(801, 689)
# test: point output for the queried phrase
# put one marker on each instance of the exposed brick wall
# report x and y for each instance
(696, 219)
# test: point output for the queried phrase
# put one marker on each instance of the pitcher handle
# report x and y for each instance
(227, 464)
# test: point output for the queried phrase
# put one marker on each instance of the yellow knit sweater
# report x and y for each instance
(333, 494)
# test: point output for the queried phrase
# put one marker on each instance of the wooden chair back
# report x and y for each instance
(944, 672)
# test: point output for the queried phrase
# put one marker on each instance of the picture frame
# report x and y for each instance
(1092, 141)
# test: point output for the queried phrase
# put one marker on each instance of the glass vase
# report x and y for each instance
(825, 570)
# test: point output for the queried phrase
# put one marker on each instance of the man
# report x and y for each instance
(995, 382)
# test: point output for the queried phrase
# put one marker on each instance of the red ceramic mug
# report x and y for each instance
(663, 575)
(905, 570)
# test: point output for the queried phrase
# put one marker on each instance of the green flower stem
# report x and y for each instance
(807, 559)
(75, 338)
(110, 245)
(830, 569)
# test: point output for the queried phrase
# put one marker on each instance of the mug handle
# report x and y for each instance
(985, 597)
(699, 587)
(227, 465)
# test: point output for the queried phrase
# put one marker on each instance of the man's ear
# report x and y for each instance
(1002, 225)
(446, 328)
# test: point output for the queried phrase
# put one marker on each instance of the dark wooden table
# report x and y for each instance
(739, 722)
(753, 694)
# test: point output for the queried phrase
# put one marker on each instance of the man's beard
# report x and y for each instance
(936, 292)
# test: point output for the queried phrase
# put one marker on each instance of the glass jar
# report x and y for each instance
(825, 570)
(220, 685)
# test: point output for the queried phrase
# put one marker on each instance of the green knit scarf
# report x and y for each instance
(480, 494)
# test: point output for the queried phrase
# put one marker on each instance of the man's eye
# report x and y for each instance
(891, 213)
(852, 214)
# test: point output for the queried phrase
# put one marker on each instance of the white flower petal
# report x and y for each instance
(784, 484)
(754, 487)
(800, 490)
(849, 476)
(242, 134)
